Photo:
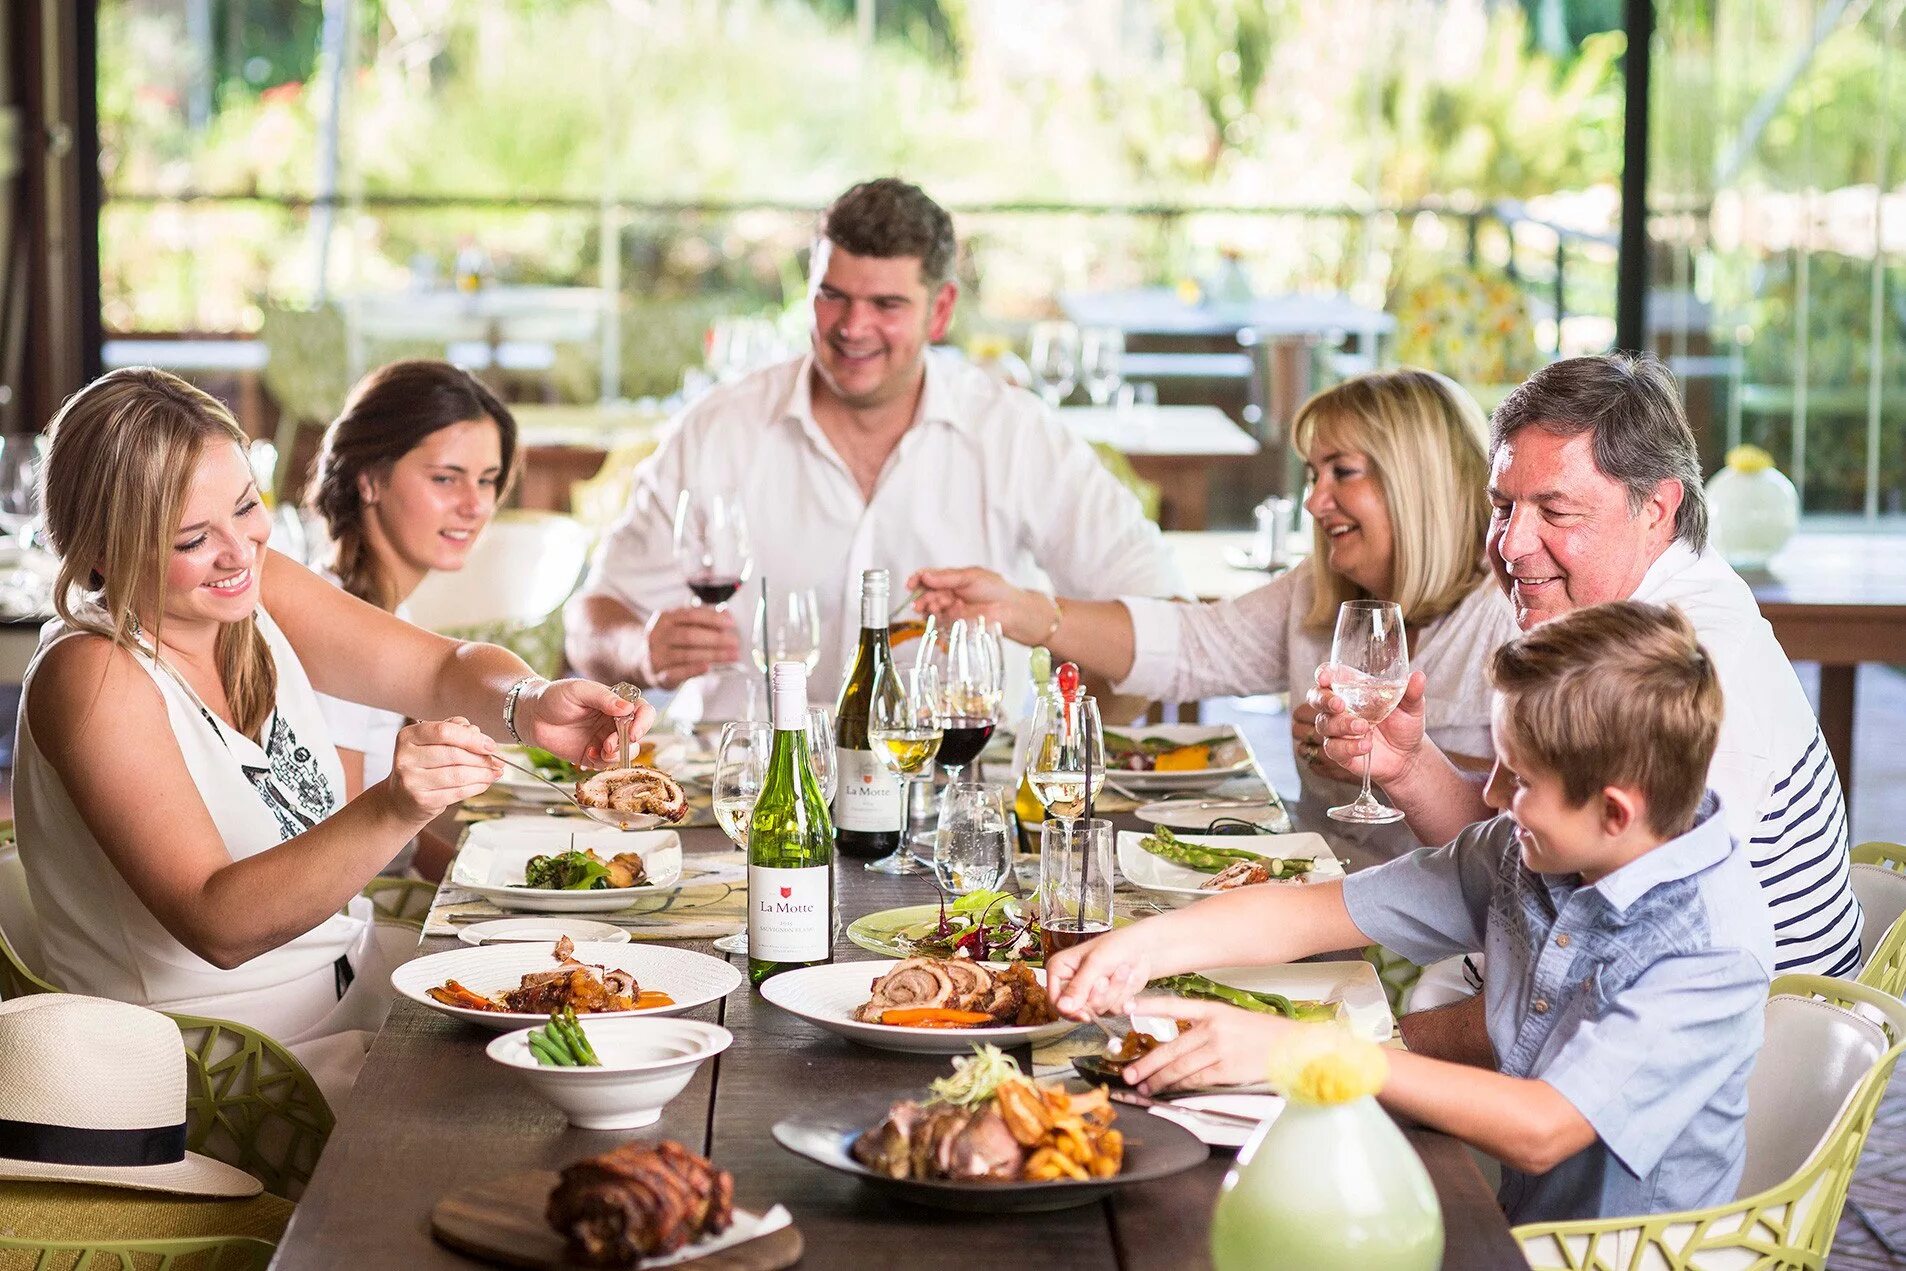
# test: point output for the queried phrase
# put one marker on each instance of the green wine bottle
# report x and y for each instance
(791, 901)
(869, 806)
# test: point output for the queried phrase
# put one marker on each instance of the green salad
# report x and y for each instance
(551, 767)
(569, 871)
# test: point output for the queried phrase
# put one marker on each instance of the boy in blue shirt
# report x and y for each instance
(1629, 945)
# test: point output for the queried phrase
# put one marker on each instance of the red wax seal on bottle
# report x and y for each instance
(1068, 675)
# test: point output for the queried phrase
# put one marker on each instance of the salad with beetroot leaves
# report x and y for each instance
(986, 926)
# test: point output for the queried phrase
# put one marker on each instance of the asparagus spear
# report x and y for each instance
(1212, 860)
(1263, 1003)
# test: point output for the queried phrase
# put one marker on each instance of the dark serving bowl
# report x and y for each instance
(1154, 1148)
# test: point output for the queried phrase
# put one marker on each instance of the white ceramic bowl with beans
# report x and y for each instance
(646, 1062)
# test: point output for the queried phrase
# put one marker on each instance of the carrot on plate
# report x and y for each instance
(933, 1017)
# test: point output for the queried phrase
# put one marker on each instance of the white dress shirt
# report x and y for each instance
(1779, 790)
(985, 476)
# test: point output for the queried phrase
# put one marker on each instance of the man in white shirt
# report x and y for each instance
(870, 451)
(1596, 486)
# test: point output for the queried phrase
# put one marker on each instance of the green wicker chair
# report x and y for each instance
(226, 1253)
(1789, 1224)
(249, 1102)
(1879, 880)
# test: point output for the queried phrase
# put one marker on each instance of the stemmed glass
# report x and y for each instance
(972, 686)
(1370, 668)
(787, 628)
(903, 728)
(1064, 741)
(1102, 363)
(1055, 360)
(712, 547)
(741, 765)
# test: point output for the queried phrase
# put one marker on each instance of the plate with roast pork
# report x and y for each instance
(923, 1006)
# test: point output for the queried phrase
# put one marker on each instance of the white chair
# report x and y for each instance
(1830, 1047)
(1879, 881)
(521, 571)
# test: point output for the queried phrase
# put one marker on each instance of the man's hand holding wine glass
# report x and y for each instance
(1391, 746)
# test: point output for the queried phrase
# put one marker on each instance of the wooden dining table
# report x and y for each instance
(431, 1114)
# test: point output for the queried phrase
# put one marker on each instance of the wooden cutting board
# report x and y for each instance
(502, 1221)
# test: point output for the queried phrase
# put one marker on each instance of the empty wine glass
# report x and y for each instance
(903, 730)
(972, 685)
(1055, 360)
(820, 751)
(1370, 668)
(1102, 362)
(970, 843)
(787, 628)
(741, 766)
(1065, 740)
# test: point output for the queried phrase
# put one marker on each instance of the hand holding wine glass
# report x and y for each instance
(1370, 668)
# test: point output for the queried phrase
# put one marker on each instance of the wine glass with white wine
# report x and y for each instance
(1064, 743)
(741, 765)
(903, 730)
(1370, 668)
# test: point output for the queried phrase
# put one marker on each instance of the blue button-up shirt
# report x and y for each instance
(1639, 998)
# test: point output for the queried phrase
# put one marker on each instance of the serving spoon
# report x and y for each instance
(607, 816)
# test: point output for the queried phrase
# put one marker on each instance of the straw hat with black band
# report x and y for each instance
(94, 1092)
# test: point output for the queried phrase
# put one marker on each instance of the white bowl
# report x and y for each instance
(645, 1063)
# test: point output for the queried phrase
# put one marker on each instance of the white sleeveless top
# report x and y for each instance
(101, 940)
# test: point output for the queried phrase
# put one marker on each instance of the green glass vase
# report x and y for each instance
(1328, 1187)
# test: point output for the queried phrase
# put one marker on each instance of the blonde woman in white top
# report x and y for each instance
(1398, 472)
(179, 802)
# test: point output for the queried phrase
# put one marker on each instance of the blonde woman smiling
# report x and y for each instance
(1398, 472)
(181, 812)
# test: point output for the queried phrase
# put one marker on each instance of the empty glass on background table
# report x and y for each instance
(741, 765)
(1062, 738)
(19, 482)
(903, 729)
(1055, 360)
(1102, 363)
(1370, 668)
(1075, 882)
(971, 844)
(972, 672)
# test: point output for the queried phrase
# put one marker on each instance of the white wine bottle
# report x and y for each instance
(790, 845)
(869, 807)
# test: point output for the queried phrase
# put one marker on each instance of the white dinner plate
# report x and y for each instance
(1351, 981)
(1261, 1108)
(829, 995)
(1267, 813)
(692, 979)
(1230, 757)
(547, 930)
(496, 853)
(1181, 884)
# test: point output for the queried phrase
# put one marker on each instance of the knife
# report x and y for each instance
(1145, 1101)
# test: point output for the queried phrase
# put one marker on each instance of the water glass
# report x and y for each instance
(1075, 881)
(971, 846)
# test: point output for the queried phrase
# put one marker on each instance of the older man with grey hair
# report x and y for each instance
(1596, 486)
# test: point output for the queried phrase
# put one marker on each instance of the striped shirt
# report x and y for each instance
(1779, 790)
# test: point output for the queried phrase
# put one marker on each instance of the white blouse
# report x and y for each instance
(100, 939)
(1259, 643)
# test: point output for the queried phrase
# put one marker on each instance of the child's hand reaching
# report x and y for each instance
(1103, 975)
(1217, 1045)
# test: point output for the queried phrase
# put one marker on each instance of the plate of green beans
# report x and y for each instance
(1182, 867)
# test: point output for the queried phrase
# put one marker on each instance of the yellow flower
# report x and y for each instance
(1326, 1063)
(1749, 459)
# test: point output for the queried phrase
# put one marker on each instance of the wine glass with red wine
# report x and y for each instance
(711, 545)
(972, 685)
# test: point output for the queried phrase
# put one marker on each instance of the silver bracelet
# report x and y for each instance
(509, 704)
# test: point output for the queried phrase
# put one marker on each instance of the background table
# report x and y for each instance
(1838, 599)
(1176, 447)
(432, 1114)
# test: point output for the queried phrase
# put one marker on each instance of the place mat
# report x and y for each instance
(502, 1221)
(711, 901)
